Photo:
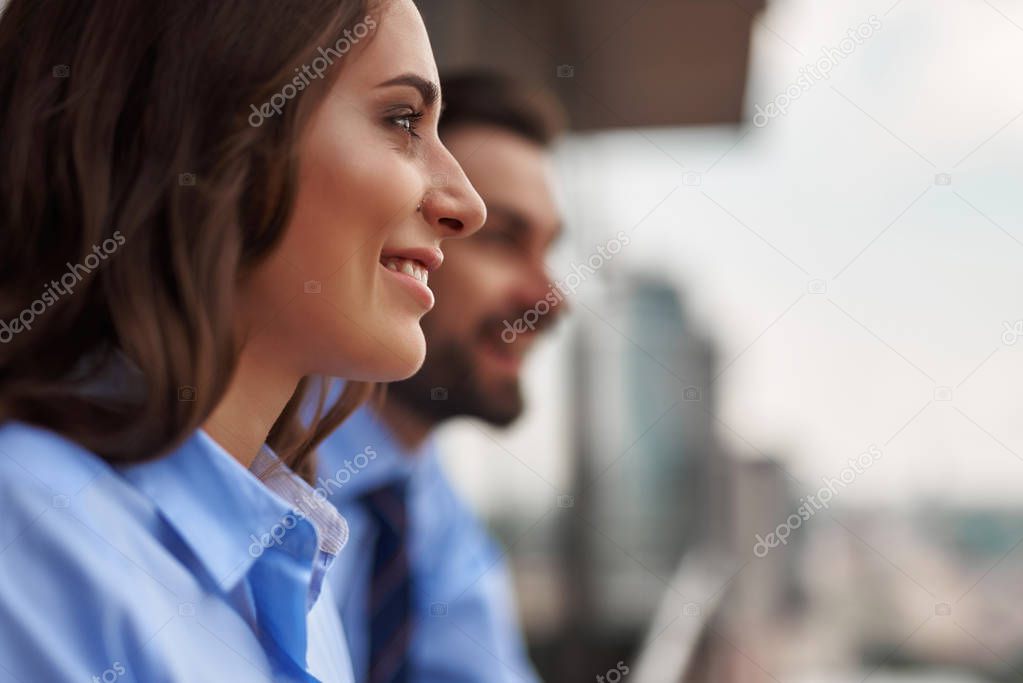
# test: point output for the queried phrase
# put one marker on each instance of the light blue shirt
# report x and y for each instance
(186, 568)
(327, 652)
(465, 630)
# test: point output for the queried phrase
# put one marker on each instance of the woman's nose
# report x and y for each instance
(452, 205)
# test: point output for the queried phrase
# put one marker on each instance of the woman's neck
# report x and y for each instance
(258, 394)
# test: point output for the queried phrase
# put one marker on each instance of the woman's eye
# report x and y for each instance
(407, 123)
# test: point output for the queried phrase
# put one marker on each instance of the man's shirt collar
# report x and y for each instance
(363, 455)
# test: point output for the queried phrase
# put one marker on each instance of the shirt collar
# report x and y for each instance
(213, 502)
(363, 455)
(331, 528)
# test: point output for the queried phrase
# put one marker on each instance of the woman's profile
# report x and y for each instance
(203, 207)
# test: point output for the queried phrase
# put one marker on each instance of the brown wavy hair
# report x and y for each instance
(128, 145)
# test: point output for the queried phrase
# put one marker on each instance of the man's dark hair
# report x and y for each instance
(493, 99)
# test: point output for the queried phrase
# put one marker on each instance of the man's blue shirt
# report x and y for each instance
(465, 628)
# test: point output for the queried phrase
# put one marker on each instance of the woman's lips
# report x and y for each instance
(413, 276)
(430, 258)
(410, 267)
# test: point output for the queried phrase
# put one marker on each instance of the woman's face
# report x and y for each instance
(344, 292)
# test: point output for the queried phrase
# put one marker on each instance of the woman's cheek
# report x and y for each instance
(387, 178)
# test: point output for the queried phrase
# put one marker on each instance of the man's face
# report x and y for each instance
(492, 277)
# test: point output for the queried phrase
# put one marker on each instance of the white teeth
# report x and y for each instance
(408, 267)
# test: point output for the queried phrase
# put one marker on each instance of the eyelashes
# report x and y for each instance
(408, 123)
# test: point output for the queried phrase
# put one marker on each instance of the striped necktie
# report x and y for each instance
(390, 602)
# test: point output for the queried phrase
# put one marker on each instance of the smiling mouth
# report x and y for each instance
(508, 355)
(410, 267)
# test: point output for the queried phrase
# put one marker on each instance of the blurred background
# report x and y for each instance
(786, 409)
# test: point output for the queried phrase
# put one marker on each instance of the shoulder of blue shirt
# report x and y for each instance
(92, 569)
(62, 559)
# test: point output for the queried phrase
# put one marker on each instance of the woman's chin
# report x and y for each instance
(398, 373)
(397, 358)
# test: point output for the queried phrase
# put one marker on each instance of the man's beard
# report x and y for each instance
(448, 385)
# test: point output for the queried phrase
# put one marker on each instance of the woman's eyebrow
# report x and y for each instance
(429, 90)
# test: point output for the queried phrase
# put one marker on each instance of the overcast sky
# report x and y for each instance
(919, 276)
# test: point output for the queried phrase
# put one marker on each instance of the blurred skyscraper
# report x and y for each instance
(644, 494)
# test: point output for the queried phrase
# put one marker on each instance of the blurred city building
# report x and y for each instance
(682, 355)
(643, 488)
